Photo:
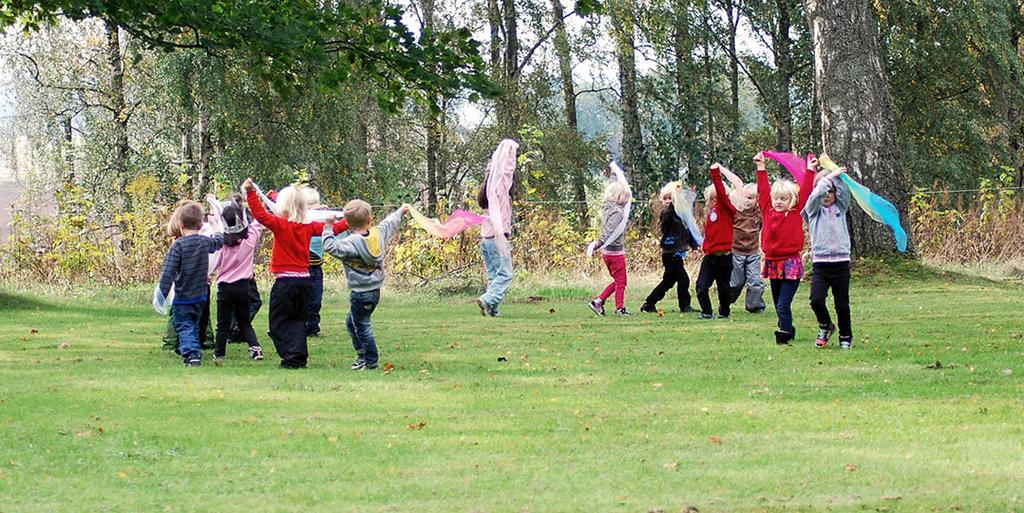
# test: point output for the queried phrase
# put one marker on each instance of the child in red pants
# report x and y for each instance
(612, 245)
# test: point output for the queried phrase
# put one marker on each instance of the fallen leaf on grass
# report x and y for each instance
(551, 311)
(661, 313)
(122, 475)
(690, 509)
(850, 467)
(671, 466)
(34, 331)
(717, 440)
(892, 498)
(416, 426)
(64, 345)
(388, 367)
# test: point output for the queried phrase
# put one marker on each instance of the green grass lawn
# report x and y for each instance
(546, 409)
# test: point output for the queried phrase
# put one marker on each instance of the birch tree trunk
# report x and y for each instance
(433, 127)
(115, 65)
(625, 53)
(784, 64)
(564, 54)
(858, 128)
(205, 150)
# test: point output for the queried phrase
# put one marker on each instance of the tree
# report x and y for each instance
(858, 127)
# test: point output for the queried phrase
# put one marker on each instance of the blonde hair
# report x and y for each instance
(710, 195)
(311, 195)
(783, 189)
(744, 197)
(358, 213)
(292, 199)
(669, 190)
(617, 193)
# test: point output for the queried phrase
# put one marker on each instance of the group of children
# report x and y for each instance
(741, 224)
(298, 250)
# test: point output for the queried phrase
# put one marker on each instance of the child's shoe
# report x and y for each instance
(723, 317)
(845, 343)
(783, 338)
(705, 316)
(597, 305)
(757, 310)
(495, 312)
(824, 333)
(485, 309)
(646, 308)
(687, 309)
(621, 312)
(358, 364)
(192, 361)
(256, 353)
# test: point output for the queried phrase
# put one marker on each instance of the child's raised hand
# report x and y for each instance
(812, 163)
(715, 166)
(759, 158)
(247, 185)
(404, 208)
(837, 172)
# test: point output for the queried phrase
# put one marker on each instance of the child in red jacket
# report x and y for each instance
(782, 239)
(289, 263)
(716, 266)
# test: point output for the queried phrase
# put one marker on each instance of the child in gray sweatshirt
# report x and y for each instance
(361, 250)
(825, 213)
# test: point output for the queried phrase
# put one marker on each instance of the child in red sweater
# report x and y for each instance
(782, 239)
(716, 266)
(289, 263)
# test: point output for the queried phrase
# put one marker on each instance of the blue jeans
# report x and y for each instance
(316, 299)
(499, 273)
(186, 324)
(361, 307)
(783, 292)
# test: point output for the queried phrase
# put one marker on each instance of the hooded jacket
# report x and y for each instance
(362, 255)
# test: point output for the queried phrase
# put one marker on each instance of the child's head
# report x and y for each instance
(710, 196)
(291, 203)
(744, 197)
(667, 191)
(358, 214)
(830, 196)
(617, 193)
(188, 216)
(312, 197)
(784, 195)
(236, 224)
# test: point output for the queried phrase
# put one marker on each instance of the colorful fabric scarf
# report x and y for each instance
(617, 176)
(457, 222)
(877, 207)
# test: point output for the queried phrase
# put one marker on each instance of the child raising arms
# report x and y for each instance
(830, 248)
(716, 266)
(782, 239)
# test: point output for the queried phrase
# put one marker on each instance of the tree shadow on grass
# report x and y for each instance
(14, 301)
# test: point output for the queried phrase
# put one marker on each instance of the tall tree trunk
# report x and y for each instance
(858, 127)
(202, 181)
(509, 103)
(494, 23)
(732, 13)
(115, 64)
(686, 120)
(564, 53)
(709, 85)
(433, 127)
(632, 139)
(1013, 117)
(68, 150)
(784, 66)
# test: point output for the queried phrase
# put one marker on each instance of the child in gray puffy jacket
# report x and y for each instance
(361, 250)
(825, 213)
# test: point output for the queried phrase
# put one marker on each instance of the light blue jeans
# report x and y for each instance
(499, 273)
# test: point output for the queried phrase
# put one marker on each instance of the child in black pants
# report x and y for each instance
(830, 244)
(676, 239)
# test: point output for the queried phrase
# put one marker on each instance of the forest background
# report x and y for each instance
(114, 115)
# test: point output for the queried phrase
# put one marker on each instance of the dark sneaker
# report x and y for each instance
(824, 333)
(313, 334)
(192, 361)
(485, 309)
(358, 364)
(783, 338)
(256, 353)
(723, 317)
(597, 306)
(367, 366)
(646, 308)
(687, 309)
(757, 310)
(845, 343)
(495, 312)
(621, 312)
(705, 317)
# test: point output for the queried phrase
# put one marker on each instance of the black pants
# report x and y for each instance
(204, 322)
(233, 303)
(715, 269)
(674, 276)
(289, 308)
(255, 303)
(834, 275)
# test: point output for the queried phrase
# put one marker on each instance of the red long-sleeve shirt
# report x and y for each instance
(782, 233)
(718, 225)
(291, 240)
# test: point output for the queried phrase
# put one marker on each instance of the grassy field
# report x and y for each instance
(548, 409)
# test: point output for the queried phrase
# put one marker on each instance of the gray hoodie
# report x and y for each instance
(611, 217)
(362, 255)
(830, 237)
